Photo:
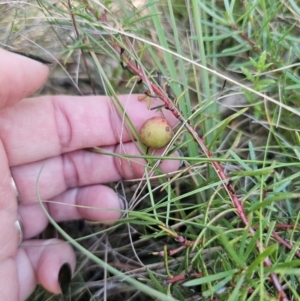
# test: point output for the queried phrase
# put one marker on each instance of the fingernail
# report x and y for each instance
(123, 202)
(32, 56)
(181, 154)
(64, 278)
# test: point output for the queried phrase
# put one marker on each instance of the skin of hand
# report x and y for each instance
(50, 132)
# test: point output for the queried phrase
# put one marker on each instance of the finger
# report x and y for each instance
(81, 168)
(19, 77)
(39, 262)
(8, 280)
(9, 234)
(96, 203)
(34, 220)
(54, 125)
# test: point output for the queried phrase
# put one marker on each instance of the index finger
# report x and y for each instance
(19, 77)
(38, 128)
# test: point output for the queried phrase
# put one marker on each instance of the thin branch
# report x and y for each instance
(82, 52)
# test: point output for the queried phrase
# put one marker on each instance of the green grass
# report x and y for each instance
(254, 46)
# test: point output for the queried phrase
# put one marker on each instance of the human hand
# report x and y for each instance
(56, 128)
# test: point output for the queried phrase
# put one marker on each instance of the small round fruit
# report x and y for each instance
(156, 132)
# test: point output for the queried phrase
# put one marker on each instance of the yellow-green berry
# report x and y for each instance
(156, 132)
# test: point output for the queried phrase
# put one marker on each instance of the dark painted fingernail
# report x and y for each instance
(64, 278)
(32, 56)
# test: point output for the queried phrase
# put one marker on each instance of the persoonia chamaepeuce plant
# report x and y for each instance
(120, 40)
(169, 105)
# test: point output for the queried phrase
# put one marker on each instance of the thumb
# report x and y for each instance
(19, 77)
